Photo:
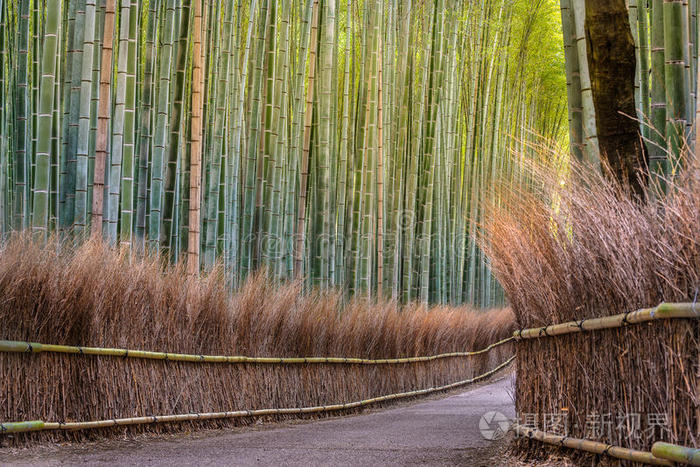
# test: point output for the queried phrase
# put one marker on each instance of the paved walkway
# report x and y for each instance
(434, 432)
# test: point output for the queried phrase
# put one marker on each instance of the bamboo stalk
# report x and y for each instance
(103, 117)
(83, 136)
(380, 177)
(193, 245)
(676, 81)
(22, 159)
(591, 150)
(47, 119)
(301, 208)
(644, 70)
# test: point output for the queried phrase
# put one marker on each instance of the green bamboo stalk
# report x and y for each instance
(380, 177)
(40, 208)
(238, 150)
(83, 136)
(426, 193)
(308, 114)
(675, 81)
(160, 134)
(274, 228)
(344, 169)
(94, 104)
(176, 181)
(147, 118)
(633, 14)
(573, 81)
(320, 268)
(23, 128)
(412, 207)
(5, 177)
(221, 90)
(119, 125)
(643, 66)
(296, 137)
(268, 142)
(250, 193)
(591, 151)
(658, 162)
(195, 143)
(69, 122)
(126, 220)
(56, 146)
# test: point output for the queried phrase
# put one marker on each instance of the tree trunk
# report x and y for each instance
(611, 62)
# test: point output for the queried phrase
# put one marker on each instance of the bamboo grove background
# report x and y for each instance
(352, 143)
(665, 34)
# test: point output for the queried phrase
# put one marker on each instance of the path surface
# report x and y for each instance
(434, 432)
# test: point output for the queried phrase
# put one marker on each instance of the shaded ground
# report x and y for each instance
(437, 432)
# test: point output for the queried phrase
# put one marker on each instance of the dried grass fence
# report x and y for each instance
(572, 374)
(580, 247)
(93, 296)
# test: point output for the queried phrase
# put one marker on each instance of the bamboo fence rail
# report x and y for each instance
(676, 453)
(662, 311)
(35, 347)
(39, 425)
(591, 446)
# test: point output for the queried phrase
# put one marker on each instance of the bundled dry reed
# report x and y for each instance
(581, 247)
(93, 296)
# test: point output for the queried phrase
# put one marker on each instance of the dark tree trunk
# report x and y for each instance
(612, 65)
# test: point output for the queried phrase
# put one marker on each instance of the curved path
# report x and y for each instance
(437, 432)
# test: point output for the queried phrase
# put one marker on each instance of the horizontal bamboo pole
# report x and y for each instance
(18, 427)
(676, 453)
(35, 347)
(591, 446)
(663, 311)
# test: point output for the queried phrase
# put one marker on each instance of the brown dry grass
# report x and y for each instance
(93, 296)
(585, 248)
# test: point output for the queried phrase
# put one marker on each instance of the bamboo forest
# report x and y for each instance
(223, 221)
(352, 143)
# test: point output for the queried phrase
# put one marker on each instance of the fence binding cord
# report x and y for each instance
(624, 318)
(35, 347)
(40, 425)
